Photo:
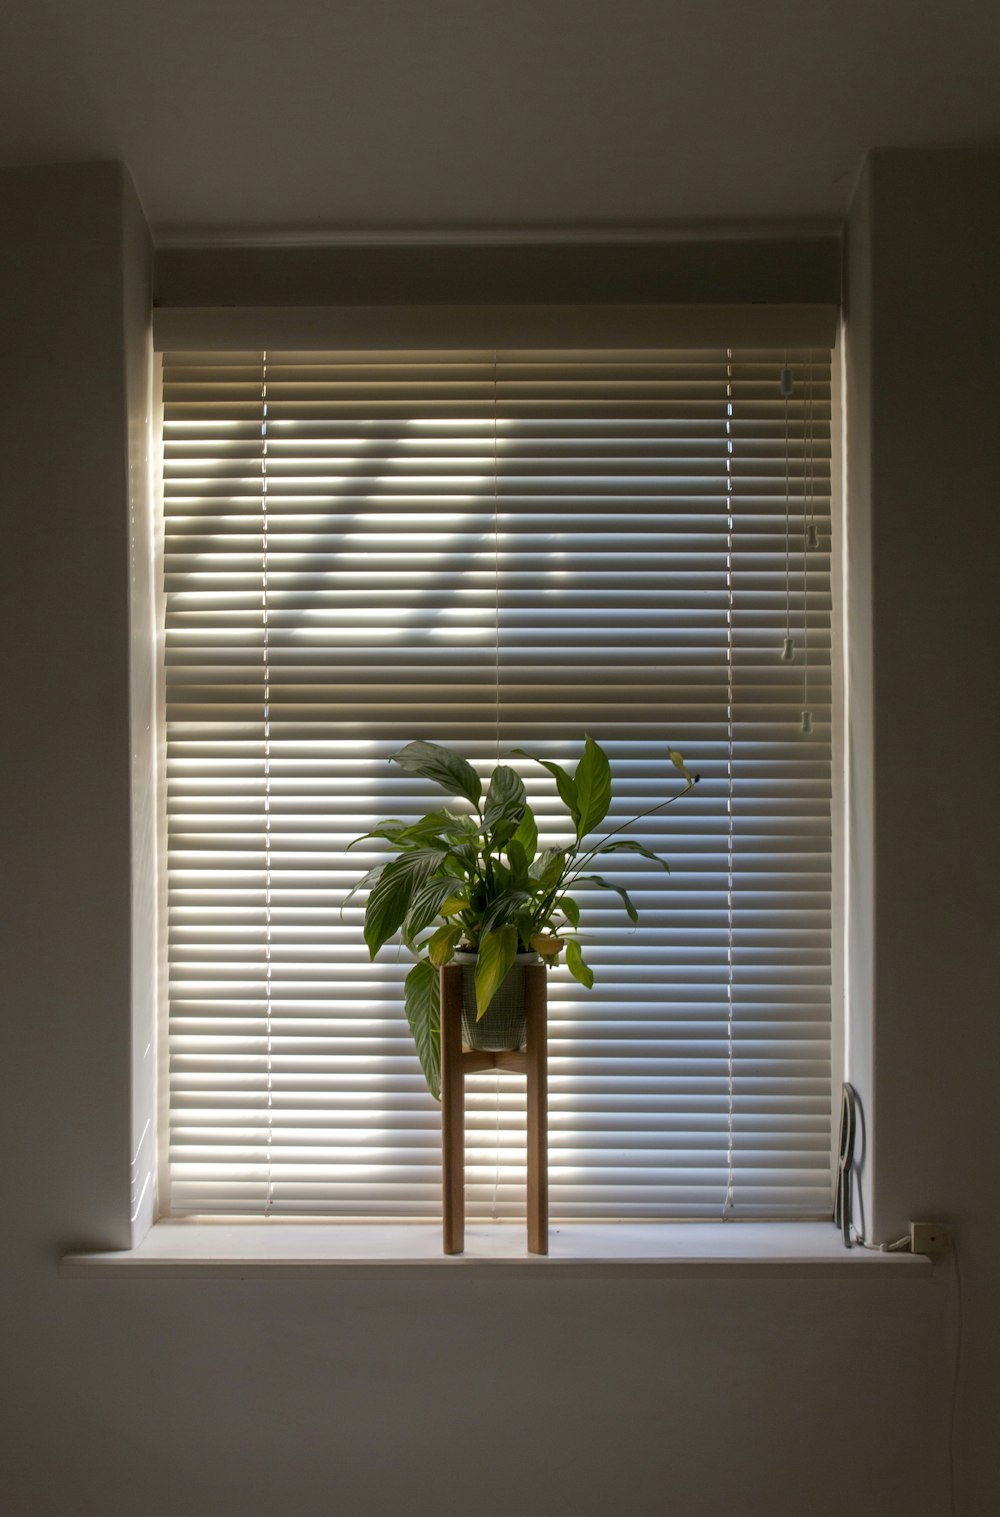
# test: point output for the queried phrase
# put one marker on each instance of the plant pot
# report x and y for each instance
(505, 1024)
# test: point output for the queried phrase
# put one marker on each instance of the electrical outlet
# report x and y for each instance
(930, 1238)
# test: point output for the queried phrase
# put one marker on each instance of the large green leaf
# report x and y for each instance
(422, 998)
(527, 834)
(497, 952)
(569, 909)
(577, 968)
(441, 946)
(428, 901)
(518, 864)
(603, 884)
(449, 770)
(629, 845)
(390, 899)
(505, 799)
(565, 784)
(593, 787)
(548, 867)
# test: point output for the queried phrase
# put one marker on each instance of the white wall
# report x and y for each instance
(696, 1396)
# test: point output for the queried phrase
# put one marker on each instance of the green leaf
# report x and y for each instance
(497, 952)
(564, 783)
(527, 834)
(370, 879)
(629, 845)
(426, 903)
(422, 998)
(505, 799)
(518, 860)
(570, 910)
(525, 924)
(465, 856)
(390, 830)
(435, 825)
(449, 770)
(504, 908)
(603, 884)
(678, 762)
(548, 867)
(574, 963)
(442, 945)
(546, 944)
(390, 900)
(593, 786)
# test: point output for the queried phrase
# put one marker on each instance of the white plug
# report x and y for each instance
(930, 1238)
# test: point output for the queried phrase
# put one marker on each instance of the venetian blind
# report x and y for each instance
(489, 551)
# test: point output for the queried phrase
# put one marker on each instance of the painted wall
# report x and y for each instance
(692, 1395)
(933, 391)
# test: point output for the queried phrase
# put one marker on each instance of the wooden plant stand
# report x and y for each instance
(456, 1063)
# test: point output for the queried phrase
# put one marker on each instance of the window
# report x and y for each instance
(495, 549)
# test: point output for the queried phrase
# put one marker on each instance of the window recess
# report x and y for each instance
(494, 547)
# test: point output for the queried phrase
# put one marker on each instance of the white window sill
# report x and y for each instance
(294, 1250)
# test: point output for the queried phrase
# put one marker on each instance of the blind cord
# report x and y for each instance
(267, 790)
(496, 557)
(808, 532)
(788, 648)
(496, 626)
(730, 1199)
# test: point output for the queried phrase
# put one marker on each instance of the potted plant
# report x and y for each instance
(473, 885)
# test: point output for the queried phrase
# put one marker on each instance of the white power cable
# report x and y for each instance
(899, 1246)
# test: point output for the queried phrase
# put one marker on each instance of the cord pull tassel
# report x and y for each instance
(788, 650)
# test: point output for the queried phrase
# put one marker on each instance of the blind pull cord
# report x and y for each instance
(788, 647)
(729, 1203)
(496, 625)
(808, 541)
(267, 788)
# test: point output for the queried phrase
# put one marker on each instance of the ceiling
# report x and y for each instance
(242, 119)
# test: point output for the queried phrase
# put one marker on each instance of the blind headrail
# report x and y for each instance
(379, 327)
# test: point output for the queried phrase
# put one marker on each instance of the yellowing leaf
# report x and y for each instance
(442, 945)
(547, 946)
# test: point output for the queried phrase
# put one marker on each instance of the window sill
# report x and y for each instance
(582, 1250)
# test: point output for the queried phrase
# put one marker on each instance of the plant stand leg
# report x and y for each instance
(455, 1065)
(538, 1112)
(452, 1111)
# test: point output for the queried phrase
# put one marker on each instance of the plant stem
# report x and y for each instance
(630, 823)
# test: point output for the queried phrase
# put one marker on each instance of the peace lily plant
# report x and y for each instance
(477, 879)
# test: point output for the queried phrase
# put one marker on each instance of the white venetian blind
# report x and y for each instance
(499, 550)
